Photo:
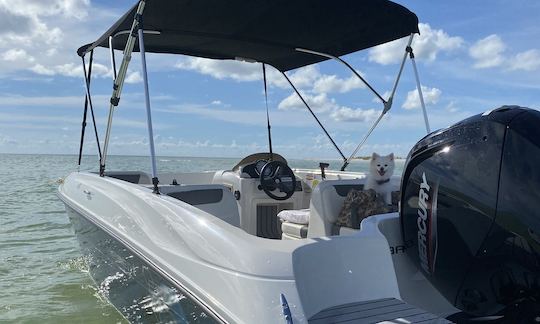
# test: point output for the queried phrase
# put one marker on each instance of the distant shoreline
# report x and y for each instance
(359, 158)
(366, 158)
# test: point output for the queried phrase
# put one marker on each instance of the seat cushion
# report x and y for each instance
(294, 230)
(297, 216)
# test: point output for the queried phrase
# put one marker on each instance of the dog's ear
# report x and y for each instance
(374, 156)
(391, 156)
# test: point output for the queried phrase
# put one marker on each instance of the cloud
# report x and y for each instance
(319, 103)
(16, 101)
(385, 95)
(526, 61)
(354, 115)
(303, 78)
(175, 146)
(12, 23)
(431, 97)
(134, 77)
(35, 36)
(68, 8)
(222, 69)
(38, 121)
(452, 107)
(33, 29)
(101, 101)
(322, 104)
(244, 71)
(16, 54)
(487, 52)
(426, 46)
(73, 70)
(256, 117)
(333, 84)
(315, 86)
(6, 140)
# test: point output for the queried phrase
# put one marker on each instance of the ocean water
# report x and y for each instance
(43, 277)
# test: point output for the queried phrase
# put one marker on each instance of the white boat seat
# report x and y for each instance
(212, 198)
(293, 231)
(326, 203)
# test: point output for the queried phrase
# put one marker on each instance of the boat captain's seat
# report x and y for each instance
(326, 203)
(319, 220)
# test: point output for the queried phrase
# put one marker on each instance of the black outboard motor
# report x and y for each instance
(470, 210)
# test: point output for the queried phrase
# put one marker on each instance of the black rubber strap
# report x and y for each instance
(409, 50)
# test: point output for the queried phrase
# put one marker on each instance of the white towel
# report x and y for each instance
(297, 216)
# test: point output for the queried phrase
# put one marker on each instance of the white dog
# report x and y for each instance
(380, 171)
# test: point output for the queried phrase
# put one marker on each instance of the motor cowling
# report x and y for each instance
(470, 212)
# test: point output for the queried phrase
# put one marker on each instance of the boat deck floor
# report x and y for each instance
(388, 310)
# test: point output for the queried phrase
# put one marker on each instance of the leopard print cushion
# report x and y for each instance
(361, 204)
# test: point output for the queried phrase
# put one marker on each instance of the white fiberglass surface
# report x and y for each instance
(216, 260)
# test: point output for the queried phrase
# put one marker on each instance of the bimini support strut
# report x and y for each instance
(155, 180)
(419, 87)
(88, 103)
(387, 107)
(347, 65)
(267, 114)
(119, 82)
(313, 114)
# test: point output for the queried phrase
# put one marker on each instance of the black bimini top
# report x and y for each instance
(266, 31)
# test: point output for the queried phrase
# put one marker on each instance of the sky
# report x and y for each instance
(472, 56)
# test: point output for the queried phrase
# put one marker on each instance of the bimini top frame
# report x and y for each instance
(264, 31)
(309, 31)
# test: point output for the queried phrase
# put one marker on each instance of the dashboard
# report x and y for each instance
(253, 170)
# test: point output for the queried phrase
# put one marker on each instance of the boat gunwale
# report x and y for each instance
(82, 213)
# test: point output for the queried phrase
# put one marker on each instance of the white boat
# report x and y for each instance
(208, 247)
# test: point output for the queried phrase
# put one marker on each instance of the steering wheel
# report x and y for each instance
(277, 175)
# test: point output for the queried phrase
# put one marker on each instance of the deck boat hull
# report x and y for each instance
(138, 291)
(167, 259)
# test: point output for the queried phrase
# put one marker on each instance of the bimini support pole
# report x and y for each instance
(119, 82)
(269, 128)
(87, 99)
(387, 107)
(88, 103)
(314, 116)
(348, 66)
(419, 87)
(155, 180)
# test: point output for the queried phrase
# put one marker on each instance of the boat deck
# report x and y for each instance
(388, 310)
